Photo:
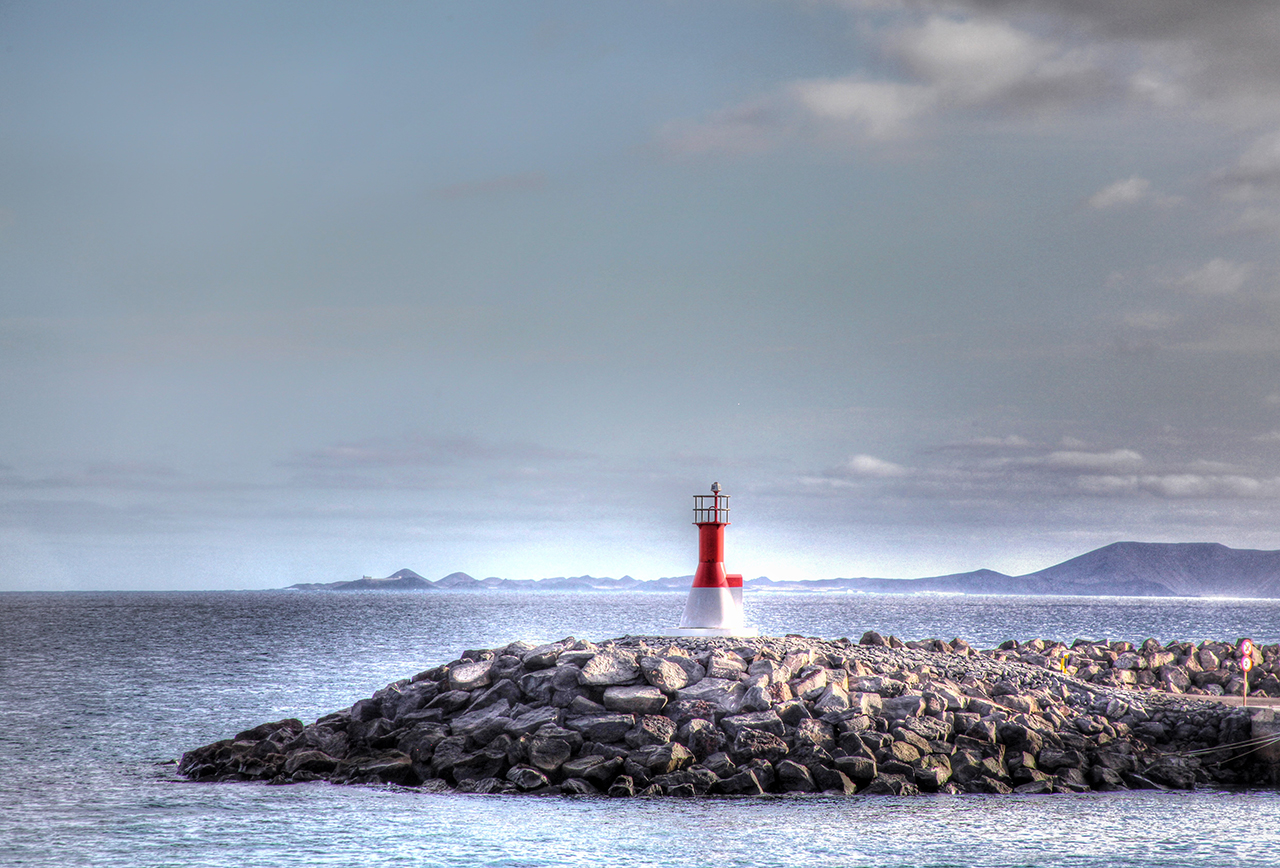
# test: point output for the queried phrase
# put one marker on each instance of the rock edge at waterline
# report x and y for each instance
(696, 716)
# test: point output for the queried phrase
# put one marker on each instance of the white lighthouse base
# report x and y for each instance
(743, 632)
(713, 612)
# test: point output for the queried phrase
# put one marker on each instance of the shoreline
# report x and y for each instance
(746, 716)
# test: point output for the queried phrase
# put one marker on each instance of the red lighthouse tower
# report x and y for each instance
(714, 607)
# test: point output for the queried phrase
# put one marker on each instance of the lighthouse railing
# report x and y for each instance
(708, 508)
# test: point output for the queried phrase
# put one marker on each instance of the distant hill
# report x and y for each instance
(1123, 569)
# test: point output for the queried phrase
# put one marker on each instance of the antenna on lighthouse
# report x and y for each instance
(714, 607)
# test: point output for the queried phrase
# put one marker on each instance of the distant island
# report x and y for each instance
(1124, 569)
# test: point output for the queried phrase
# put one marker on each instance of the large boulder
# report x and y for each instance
(484, 725)
(634, 699)
(651, 729)
(664, 674)
(765, 721)
(470, 675)
(907, 705)
(752, 744)
(602, 728)
(548, 753)
(608, 668)
(701, 736)
(725, 696)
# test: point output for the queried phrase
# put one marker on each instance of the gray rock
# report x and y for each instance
(795, 778)
(859, 769)
(907, 705)
(742, 783)
(623, 788)
(482, 725)
(542, 657)
(663, 674)
(890, 785)
(725, 696)
(450, 701)
(393, 769)
(470, 675)
(577, 787)
(701, 736)
(548, 754)
(479, 765)
(527, 778)
(581, 706)
(726, 665)
(603, 728)
(538, 686)
(756, 699)
(833, 781)
(608, 668)
(309, 761)
(815, 733)
(833, 698)
(634, 699)
(668, 758)
(501, 689)
(752, 744)
(764, 721)
(533, 720)
(651, 730)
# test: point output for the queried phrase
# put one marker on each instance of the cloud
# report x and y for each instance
(1180, 485)
(1255, 173)
(972, 59)
(1116, 459)
(1130, 191)
(868, 465)
(880, 109)
(1217, 277)
(949, 64)
(977, 62)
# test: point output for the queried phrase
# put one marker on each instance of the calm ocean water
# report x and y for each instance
(98, 691)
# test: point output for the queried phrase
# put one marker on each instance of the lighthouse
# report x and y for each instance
(714, 607)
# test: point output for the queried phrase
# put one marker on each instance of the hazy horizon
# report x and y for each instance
(305, 292)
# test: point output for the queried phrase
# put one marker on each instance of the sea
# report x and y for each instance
(101, 692)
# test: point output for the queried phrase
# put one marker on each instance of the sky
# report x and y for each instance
(298, 292)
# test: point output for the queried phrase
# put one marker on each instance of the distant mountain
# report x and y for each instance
(408, 580)
(1123, 569)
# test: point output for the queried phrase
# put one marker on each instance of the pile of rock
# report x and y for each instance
(685, 717)
(1207, 669)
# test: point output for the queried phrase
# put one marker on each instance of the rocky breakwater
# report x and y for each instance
(688, 717)
(1207, 668)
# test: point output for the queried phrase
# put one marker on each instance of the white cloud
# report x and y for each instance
(1256, 172)
(1115, 460)
(1130, 191)
(1217, 277)
(881, 108)
(1021, 59)
(979, 61)
(869, 465)
(1178, 485)
(1011, 441)
(1254, 219)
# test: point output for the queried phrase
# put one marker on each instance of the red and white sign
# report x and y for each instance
(1246, 648)
(1246, 663)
